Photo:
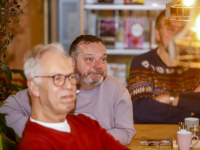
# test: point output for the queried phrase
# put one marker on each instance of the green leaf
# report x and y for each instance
(17, 20)
(4, 48)
(5, 129)
(15, 87)
(6, 69)
(7, 94)
(7, 143)
(2, 102)
(7, 42)
(1, 143)
(21, 72)
(2, 120)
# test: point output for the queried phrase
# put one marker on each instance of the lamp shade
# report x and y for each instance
(184, 48)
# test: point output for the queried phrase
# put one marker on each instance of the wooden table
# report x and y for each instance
(150, 132)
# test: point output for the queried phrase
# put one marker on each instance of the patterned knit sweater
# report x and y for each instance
(149, 77)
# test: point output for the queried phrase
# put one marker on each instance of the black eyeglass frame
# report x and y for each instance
(77, 75)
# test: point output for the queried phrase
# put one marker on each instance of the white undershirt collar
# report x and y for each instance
(62, 126)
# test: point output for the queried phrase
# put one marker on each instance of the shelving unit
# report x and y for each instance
(149, 5)
(126, 51)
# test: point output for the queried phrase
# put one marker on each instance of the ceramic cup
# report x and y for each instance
(191, 122)
(184, 140)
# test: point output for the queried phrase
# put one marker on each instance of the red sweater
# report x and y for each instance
(86, 134)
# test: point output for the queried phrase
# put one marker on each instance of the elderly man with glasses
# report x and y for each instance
(52, 86)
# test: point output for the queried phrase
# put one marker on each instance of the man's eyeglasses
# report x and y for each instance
(60, 79)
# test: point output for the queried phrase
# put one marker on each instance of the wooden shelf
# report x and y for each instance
(126, 51)
(148, 6)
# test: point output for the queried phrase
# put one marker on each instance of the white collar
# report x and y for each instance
(62, 126)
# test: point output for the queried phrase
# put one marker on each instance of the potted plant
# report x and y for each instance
(9, 12)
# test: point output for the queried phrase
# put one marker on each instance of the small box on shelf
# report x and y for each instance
(134, 33)
(107, 32)
(105, 1)
(138, 2)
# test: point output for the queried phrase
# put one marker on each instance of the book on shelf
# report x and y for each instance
(105, 1)
(107, 32)
(175, 144)
(157, 144)
(119, 71)
(134, 2)
(134, 33)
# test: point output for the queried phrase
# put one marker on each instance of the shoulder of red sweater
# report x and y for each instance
(74, 117)
(79, 118)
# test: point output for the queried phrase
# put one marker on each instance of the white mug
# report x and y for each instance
(191, 122)
(184, 140)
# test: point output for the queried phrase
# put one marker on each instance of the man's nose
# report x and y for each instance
(97, 64)
(67, 84)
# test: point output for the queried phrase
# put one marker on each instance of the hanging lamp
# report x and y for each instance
(184, 48)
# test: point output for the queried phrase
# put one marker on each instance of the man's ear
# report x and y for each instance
(33, 88)
(72, 61)
(157, 34)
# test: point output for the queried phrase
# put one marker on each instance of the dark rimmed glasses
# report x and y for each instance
(60, 79)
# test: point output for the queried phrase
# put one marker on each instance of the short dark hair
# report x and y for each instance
(159, 18)
(162, 14)
(74, 51)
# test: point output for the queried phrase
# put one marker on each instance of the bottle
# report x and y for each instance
(180, 125)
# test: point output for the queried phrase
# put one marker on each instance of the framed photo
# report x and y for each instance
(134, 33)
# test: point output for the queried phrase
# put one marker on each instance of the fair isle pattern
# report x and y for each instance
(151, 80)
(162, 70)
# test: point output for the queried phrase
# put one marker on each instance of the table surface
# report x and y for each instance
(152, 132)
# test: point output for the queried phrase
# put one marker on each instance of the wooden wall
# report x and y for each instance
(28, 33)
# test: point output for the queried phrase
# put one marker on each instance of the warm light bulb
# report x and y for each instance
(188, 2)
(197, 26)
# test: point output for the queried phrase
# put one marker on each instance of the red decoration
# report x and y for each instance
(129, 35)
(135, 41)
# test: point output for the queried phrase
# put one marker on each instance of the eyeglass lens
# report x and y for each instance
(59, 80)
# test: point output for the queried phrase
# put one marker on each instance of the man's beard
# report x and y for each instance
(86, 79)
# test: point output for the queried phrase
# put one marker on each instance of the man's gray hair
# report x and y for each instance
(32, 58)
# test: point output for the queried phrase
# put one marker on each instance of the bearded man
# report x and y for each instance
(101, 97)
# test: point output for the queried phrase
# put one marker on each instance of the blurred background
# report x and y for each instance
(46, 21)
